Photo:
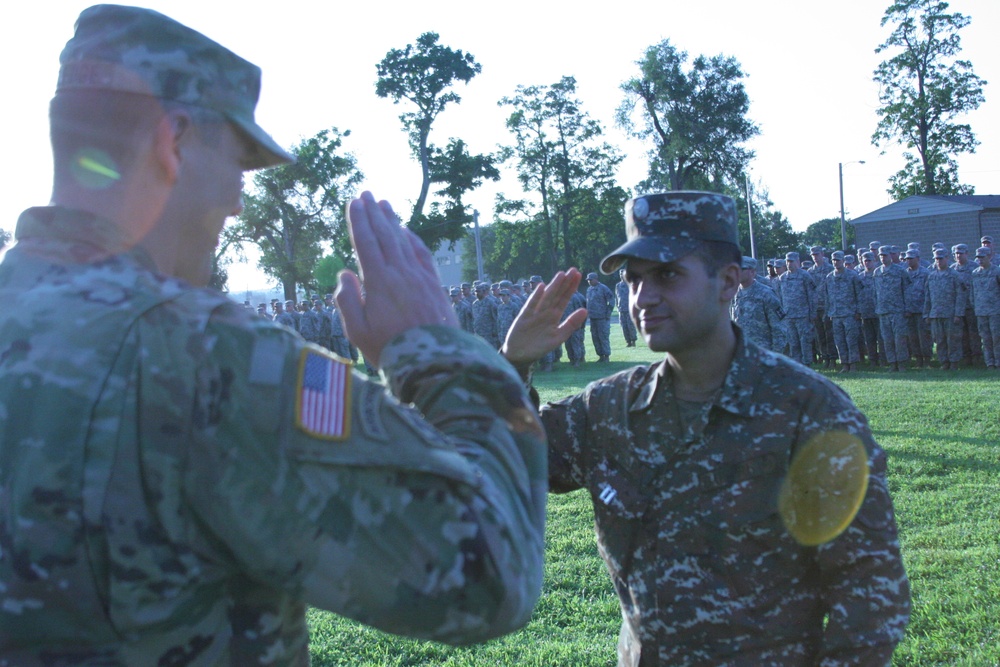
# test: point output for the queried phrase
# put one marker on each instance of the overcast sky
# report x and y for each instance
(809, 76)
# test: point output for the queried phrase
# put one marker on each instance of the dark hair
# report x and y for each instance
(717, 255)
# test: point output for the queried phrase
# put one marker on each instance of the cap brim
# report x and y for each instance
(653, 248)
(267, 152)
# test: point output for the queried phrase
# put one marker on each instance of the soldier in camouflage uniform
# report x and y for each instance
(282, 317)
(757, 310)
(891, 281)
(484, 316)
(985, 297)
(918, 332)
(462, 310)
(179, 478)
(842, 292)
(797, 299)
(624, 318)
(869, 340)
(506, 312)
(944, 304)
(825, 344)
(683, 460)
(338, 338)
(972, 347)
(600, 303)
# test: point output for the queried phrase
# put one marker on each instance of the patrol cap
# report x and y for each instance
(912, 254)
(913, 245)
(960, 247)
(837, 254)
(791, 256)
(505, 283)
(505, 292)
(940, 253)
(665, 227)
(592, 276)
(748, 263)
(884, 249)
(455, 291)
(137, 50)
(874, 245)
(770, 263)
(813, 250)
(938, 244)
(983, 251)
(464, 285)
(986, 239)
(868, 256)
(536, 279)
(894, 249)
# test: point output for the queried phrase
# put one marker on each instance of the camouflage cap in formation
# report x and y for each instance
(136, 50)
(837, 254)
(665, 227)
(912, 254)
(940, 253)
(983, 252)
(748, 263)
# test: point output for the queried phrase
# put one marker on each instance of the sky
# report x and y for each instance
(808, 65)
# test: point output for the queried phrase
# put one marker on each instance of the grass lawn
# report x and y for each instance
(941, 432)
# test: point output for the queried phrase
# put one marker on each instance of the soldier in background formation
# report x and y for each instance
(757, 310)
(624, 316)
(600, 303)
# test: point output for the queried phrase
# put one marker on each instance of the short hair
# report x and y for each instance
(717, 255)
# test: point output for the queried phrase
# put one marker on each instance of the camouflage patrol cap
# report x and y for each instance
(506, 283)
(837, 254)
(938, 244)
(983, 251)
(505, 292)
(665, 227)
(137, 50)
(884, 249)
(816, 249)
(536, 279)
(748, 263)
(960, 247)
(940, 253)
(455, 291)
(986, 239)
(791, 256)
(868, 256)
(592, 276)
(912, 254)
(874, 245)
(913, 245)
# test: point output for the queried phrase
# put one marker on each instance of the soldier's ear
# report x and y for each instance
(729, 281)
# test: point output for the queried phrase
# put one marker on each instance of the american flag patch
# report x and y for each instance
(323, 402)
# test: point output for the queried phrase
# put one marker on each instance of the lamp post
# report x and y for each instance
(843, 223)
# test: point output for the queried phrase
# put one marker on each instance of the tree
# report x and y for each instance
(826, 232)
(772, 233)
(293, 210)
(423, 74)
(565, 167)
(924, 91)
(696, 119)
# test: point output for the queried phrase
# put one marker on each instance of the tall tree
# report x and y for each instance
(826, 232)
(424, 74)
(924, 91)
(562, 163)
(457, 172)
(696, 119)
(292, 211)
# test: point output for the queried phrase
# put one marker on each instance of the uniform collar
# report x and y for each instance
(737, 389)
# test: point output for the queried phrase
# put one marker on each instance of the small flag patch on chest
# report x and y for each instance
(323, 401)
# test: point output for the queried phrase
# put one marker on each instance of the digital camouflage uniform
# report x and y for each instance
(688, 526)
(943, 302)
(506, 312)
(822, 324)
(985, 297)
(575, 348)
(624, 314)
(842, 296)
(484, 321)
(464, 313)
(758, 312)
(600, 303)
(918, 333)
(869, 320)
(797, 299)
(166, 497)
(890, 286)
(971, 343)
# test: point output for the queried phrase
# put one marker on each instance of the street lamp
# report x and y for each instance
(843, 223)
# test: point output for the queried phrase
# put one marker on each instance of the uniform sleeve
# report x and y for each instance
(865, 586)
(566, 427)
(417, 509)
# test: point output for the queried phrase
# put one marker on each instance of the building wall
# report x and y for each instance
(926, 230)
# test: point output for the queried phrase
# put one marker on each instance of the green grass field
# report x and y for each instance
(942, 435)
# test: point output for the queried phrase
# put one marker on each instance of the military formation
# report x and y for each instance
(887, 307)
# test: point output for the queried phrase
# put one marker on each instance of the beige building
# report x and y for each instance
(949, 219)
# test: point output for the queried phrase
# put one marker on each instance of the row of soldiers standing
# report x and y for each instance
(889, 306)
(489, 310)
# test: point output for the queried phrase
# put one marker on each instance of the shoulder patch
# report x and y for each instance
(323, 395)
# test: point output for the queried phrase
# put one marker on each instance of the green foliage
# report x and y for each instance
(423, 75)
(326, 272)
(568, 173)
(826, 232)
(924, 92)
(292, 211)
(695, 119)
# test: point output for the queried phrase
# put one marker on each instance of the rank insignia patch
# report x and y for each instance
(323, 396)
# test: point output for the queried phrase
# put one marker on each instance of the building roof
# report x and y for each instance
(919, 206)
